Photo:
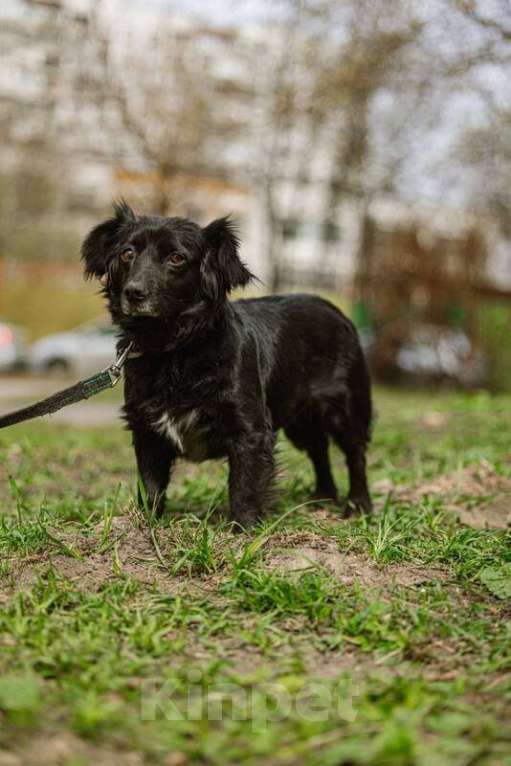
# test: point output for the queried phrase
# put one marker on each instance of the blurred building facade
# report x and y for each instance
(58, 117)
(53, 102)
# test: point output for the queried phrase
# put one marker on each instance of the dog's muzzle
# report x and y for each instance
(136, 302)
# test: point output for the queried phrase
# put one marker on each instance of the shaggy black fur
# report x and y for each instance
(217, 378)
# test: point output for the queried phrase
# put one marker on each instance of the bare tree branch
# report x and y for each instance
(500, 26)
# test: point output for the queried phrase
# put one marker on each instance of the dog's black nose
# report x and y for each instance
(134, 292)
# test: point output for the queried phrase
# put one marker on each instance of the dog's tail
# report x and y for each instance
(359, 383)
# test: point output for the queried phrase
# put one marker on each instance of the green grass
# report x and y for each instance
(387, 641)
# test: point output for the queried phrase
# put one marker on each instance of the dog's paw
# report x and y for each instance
(237, 528)
(356, 506)
(244, 522)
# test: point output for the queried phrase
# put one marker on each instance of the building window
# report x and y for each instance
(330, 232)
(327, 231)
(290, 227)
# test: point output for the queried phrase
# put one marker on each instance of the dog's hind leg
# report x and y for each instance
(307, 435)
(351, 429)
(358, 499)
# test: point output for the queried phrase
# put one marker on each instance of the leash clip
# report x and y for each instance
(114, 370)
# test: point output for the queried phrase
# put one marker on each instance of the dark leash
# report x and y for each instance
(84, 389)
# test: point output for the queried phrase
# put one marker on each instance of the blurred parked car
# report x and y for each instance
(13, 350)
(442, 353)
(81, 351)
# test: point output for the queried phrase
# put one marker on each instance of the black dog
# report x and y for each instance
(215, 378)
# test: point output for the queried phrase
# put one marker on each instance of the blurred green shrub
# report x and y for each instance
(45, 307)
(494, 336)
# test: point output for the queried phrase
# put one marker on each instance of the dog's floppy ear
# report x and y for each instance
(97, 248)
(221, 268)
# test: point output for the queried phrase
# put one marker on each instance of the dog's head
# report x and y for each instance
(162, 267)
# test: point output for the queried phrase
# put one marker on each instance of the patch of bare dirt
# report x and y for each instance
(127, 550)
(303, 551)
(53, 749)
(477, 495)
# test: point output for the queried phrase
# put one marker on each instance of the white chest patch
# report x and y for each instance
(175, 429)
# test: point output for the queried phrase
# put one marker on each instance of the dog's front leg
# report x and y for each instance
(155, 456)
(251, 475)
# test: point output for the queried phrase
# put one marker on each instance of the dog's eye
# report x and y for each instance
(175, 259)
(127, 254)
